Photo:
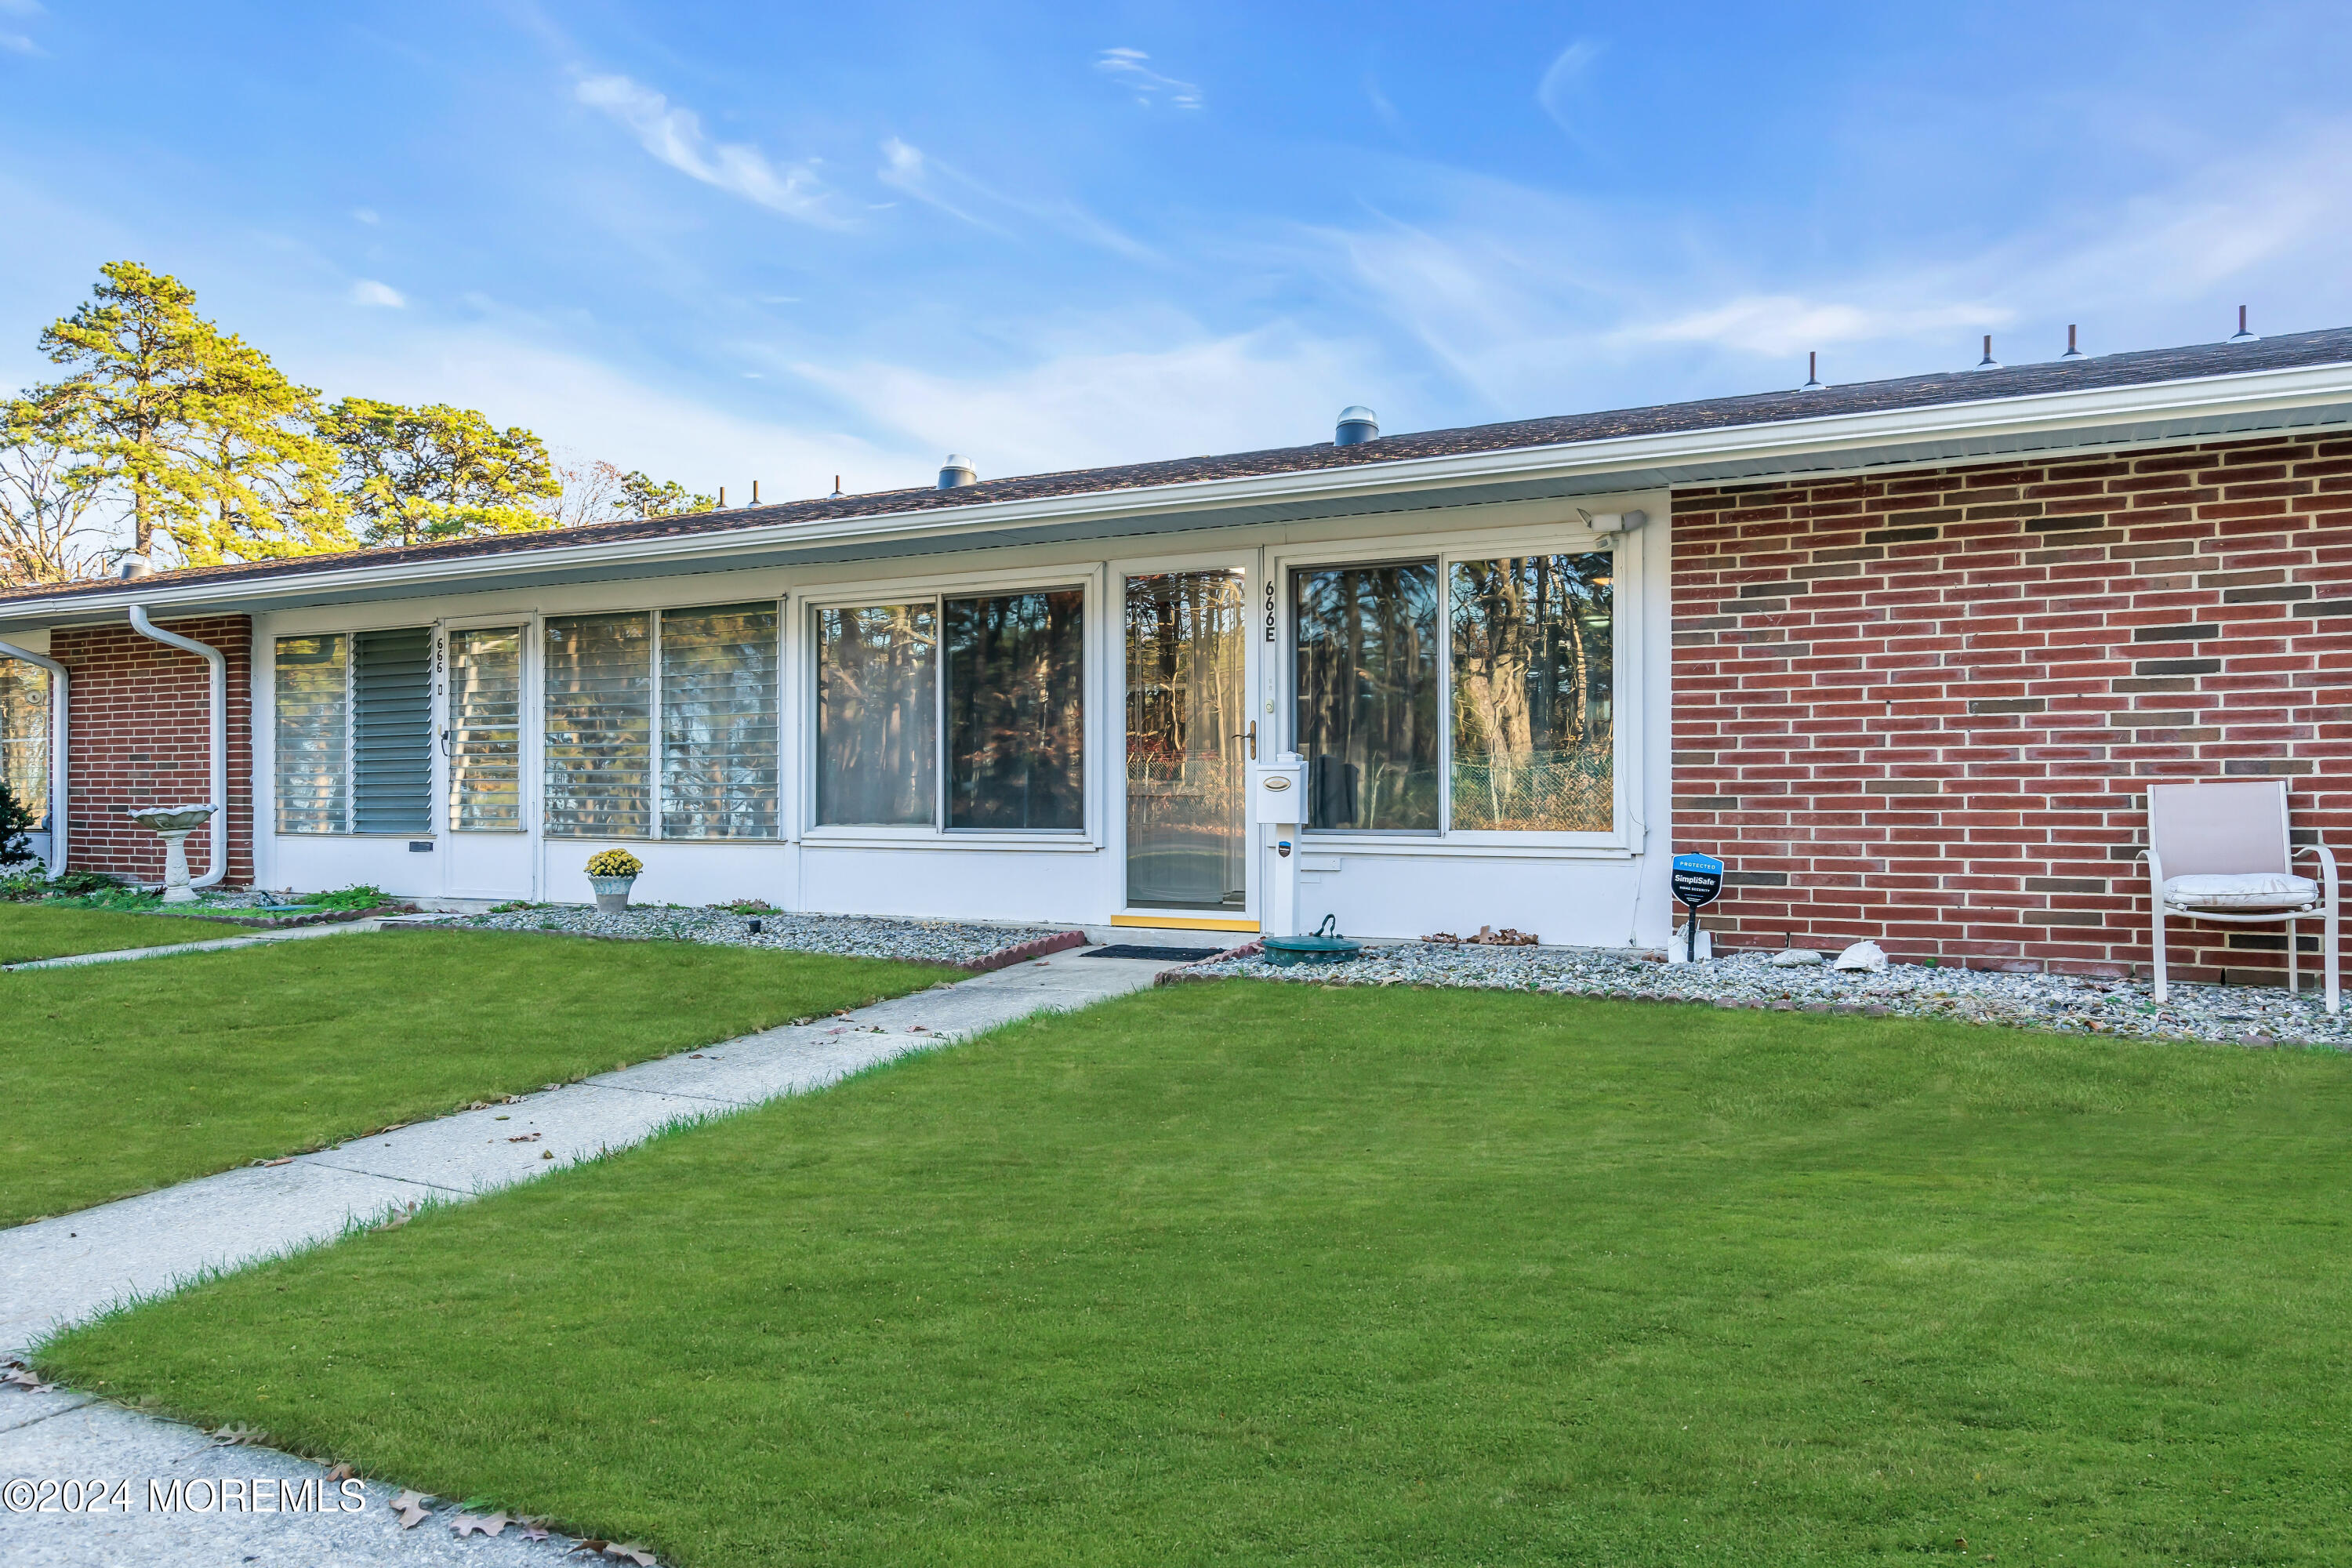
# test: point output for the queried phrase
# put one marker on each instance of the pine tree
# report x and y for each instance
(415, 476)
(208, 441)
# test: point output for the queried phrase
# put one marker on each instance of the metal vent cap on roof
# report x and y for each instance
(1357, 425)
(956, 473)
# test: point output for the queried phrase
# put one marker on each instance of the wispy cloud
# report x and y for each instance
(19, 43)
(1127, 67)
(1789, 324)
(368, 291)
(1563, 82)
(907, 168)
(1178, 390)
(675, 136)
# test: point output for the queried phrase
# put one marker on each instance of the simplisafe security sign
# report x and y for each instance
(1697, 878)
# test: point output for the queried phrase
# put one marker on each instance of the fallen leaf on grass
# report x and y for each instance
(341, 1473)
(410, 1506)
(626, 1551)
(532, 1530)
(473, 1524)
(397, 1220)
(479, 1105)
(550, 1086)
(239, 1434)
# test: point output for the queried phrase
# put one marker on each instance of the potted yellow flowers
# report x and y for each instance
(610, 872)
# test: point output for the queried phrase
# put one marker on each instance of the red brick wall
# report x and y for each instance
(140, 732)
(1920, 706)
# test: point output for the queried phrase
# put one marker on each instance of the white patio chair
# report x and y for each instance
(2220, 852)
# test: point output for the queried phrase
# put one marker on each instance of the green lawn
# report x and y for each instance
(121, 1077)
(39, 931)
(1253, 1273)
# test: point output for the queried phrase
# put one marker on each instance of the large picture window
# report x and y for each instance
(1367, 694)
(25, 735)
(1015, 711)
(878, 707)
(989, 691)
(1532, 676)
(599, 747)
(1471, 693)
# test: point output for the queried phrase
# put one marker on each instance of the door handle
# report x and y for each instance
(1250, 735)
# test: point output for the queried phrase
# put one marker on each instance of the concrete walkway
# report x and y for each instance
(221, 944)
(63, 1271)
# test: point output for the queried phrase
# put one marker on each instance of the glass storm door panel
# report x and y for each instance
(486, 729)
(1187, 714)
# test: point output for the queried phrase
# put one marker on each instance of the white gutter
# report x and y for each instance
(1789, 440)
(58, 683)
(217, 866)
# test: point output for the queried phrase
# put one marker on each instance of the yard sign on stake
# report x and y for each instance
(1697, 880)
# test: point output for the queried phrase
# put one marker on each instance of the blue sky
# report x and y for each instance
(728, 242)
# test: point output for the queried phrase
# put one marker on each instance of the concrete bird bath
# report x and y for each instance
(173, 823)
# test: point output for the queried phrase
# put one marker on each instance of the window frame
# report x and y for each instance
(1628, 640)
(528, 626)
(437, 664)
(936, 588)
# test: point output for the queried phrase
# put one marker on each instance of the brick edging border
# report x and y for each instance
(1021, 952)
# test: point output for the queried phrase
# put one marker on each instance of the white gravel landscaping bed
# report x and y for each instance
(2232, 1014)
(967, 944)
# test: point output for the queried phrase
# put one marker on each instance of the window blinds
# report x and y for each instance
(599, 753)
(391, 731)
(312, 718)
(486, 729)
(719, 722)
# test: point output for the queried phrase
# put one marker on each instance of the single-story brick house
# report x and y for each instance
(1902, 654)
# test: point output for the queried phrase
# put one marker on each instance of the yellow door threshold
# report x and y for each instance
(1182, 922)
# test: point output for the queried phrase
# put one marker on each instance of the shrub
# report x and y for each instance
(359, 895)
(17, 819)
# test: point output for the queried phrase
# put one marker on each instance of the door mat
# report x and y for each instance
(1137, 950)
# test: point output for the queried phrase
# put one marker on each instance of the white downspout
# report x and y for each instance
(57, 748)
(217, 865)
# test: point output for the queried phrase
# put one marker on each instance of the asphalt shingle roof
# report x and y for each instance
(2296, 351)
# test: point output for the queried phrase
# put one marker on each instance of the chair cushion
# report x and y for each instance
(2248, 892)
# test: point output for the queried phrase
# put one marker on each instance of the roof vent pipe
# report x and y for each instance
(216, 862)
(2071, 351)
(955, 473)
(1988, 363)
(1357, 425)
(1813, 371)
(133, 566)
(2242, 335)
(58, 730)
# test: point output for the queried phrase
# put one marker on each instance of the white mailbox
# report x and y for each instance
(1278, 791)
